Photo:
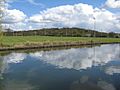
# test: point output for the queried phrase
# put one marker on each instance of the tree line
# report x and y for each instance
(75, 32)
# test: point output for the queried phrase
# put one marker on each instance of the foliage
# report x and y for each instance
(2, 5)
(68, 32)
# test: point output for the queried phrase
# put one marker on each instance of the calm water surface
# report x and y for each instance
(96, 68)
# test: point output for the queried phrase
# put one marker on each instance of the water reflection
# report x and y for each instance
(15, 57)
(112, 70)
(95, 68)
(88, 85)
(79, 58)
(17, 85)
(11, 58)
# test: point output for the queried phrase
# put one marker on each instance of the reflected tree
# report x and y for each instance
(1, 76)
(0, 69)
(118, 48)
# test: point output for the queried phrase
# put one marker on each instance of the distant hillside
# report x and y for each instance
(75, 32)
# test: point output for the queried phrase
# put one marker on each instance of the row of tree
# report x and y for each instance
(75, 32)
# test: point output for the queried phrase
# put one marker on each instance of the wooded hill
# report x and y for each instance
(75, 32)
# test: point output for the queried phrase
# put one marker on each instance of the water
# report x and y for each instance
(96, 68)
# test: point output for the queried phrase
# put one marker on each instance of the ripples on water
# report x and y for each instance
(96, 68)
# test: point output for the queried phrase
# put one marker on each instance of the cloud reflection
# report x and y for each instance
(86, 84)
(112, 69)
(11, 58)
(79, 58)
(105, 85)
(15, 57)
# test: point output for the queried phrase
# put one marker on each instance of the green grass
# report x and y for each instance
(21, 40)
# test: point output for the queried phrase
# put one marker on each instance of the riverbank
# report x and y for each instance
(37, 42)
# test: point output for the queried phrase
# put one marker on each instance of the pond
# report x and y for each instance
(87, 68)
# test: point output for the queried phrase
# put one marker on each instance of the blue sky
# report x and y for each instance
(36, 14)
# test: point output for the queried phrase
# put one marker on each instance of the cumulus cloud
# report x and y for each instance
(13, 16)
(78, 15)
(15, 19)
(63, 13)
(112, 3)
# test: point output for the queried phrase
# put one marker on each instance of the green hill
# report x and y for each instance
(74, 32)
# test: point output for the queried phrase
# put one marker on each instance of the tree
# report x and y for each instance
(2, 4)
(112, 34)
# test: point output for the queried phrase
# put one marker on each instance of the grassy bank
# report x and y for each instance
(19, 41)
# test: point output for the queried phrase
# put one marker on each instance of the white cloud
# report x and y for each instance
(14, 19)
(13, 16)
(112, 3)
(78, 15)
(63, 13)
(16, 26)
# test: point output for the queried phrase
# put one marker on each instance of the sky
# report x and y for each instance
(37, 14)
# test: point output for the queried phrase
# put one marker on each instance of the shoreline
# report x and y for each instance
(52, 45)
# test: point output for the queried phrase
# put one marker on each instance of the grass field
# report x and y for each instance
(22, 40)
